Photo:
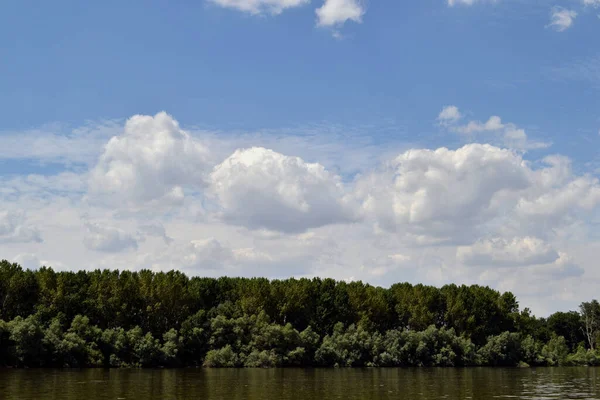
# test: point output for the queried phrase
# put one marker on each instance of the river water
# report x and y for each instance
(310, 384)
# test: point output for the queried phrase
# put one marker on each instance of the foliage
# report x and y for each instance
(502, 350)
(145, 319)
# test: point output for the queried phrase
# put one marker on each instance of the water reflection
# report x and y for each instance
(475, 383)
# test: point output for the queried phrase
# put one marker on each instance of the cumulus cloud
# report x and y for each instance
(561, 18)
(580, 193)
(261, 189)
(256, 7)
(508, 133)
(449, 115)
(269, 214)
(15, 229)
(456, 196)
(500, 252)
(443, 193)
(107, 239)
(336, 12)
(152, 160)
(593, 3)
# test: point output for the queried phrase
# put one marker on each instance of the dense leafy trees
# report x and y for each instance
(145, 319)
(569, 326)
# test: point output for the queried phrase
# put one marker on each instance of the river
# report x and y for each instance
(308, 384)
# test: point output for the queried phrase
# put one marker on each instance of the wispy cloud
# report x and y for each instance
(452, 3)
(582, 70)
(562, 19)
(257, 7)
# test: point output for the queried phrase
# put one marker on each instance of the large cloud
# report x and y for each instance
(444, 193)
(556, 202)
(507, 253)
(259, 188)
(15, 229)
(152, 160)
(457, 196)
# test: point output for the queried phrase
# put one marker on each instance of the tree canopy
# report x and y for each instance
(125, 318)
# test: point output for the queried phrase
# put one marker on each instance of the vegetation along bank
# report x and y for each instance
(146, 319)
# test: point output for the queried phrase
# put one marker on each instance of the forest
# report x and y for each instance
(127, 319)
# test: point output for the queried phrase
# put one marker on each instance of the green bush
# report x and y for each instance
(222, 358)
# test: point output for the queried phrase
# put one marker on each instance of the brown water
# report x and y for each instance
(477, 383)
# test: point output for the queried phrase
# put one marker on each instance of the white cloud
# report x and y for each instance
(500, 252)
(453, 3)
(107, 239)
(15, 229)
(508, 134)
(593, 3)
(457, 196)
(492, 124)
(153, 160)
(261, 189)
(449, 115)
(445, 194)
(562, 19)
(268, 214)
(336, 12)
(580, 193)
(256, 7)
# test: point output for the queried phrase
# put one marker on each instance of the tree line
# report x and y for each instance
(106, 318)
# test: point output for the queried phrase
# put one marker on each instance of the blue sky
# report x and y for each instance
(352, 88)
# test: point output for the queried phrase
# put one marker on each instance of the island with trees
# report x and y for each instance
(107, 318)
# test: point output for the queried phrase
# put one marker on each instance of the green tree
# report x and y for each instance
(556, 351)
(502, 350)
(569, 325)
(27, 336)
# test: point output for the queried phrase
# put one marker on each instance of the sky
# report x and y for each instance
(428, 141)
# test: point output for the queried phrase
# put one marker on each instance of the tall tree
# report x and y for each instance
(590, 315)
